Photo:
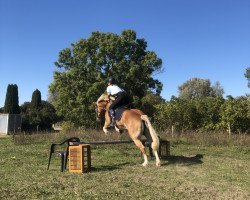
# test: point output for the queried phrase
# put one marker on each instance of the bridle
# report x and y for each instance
(100, 110)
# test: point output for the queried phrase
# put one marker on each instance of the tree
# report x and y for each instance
(187, 117)
(247, 75)
(86, 66)
(42, 117)
(217, 90)
(149, 103)
(208, 111)
(38, 113)
(235, 114)
(197, 87)
(11, 105)
(52, 97)
(166, 116)
(36, 99)
(180, 113)
(48, 115)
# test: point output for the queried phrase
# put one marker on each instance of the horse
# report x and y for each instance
(135, 122)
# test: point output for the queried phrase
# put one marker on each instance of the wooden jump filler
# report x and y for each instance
(79, 158)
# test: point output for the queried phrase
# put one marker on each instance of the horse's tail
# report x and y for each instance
(155, 144)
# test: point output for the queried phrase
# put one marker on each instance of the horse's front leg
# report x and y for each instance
(117, 129)
(106, 124)
(105, 128)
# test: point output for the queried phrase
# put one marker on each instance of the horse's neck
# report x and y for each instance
(108, 105)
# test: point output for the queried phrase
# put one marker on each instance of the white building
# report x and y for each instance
(10, 123)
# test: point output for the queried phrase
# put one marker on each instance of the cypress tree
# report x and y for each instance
(16, 108)
(36, 99)
(7, 104)
(11, 105)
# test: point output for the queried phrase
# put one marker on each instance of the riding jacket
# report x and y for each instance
(113, 90)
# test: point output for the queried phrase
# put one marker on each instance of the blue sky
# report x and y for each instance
(207, 39)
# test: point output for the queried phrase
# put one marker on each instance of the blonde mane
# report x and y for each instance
(103, 97)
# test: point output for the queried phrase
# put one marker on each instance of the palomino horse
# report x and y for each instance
(137, 124)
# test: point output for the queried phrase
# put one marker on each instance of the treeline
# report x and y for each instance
(201, 106)
(37, 115)
(205, 114)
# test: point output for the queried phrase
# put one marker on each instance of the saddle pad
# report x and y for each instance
(119, 112)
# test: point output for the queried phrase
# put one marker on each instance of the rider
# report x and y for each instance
(120, 96)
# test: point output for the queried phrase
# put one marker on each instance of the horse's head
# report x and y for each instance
(101, 106)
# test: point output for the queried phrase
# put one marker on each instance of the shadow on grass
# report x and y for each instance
(109, 167)
(183, 160)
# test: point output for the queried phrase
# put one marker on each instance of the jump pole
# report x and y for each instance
(144, 141)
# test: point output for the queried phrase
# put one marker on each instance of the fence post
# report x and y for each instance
(229, 129)
(172, 131)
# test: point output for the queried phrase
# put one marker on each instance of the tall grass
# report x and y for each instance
(84, 135)
(209, 138)
(194, 138)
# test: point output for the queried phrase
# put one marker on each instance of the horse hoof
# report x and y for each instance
(117, 129)
(158, 164)
(144, 164)
(105, 131)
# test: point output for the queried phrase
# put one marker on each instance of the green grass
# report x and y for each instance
(222, 173)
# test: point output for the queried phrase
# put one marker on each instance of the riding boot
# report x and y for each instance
(112, 115)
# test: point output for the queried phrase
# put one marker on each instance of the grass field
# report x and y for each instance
(222, 173)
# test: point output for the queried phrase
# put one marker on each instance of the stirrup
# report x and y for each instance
(112, 123)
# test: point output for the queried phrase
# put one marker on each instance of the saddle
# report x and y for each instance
(118, 112)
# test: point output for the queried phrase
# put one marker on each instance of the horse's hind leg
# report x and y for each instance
(154, 146)
(139, 144)
(158, 162)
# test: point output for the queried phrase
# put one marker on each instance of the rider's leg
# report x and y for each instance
(116, 103)
(112, 115)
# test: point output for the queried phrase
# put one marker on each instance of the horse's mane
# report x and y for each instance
(102, 98)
